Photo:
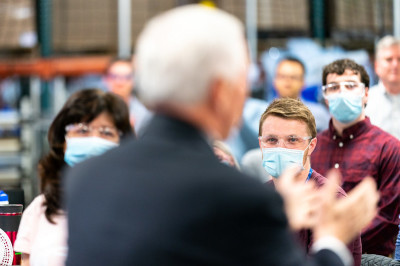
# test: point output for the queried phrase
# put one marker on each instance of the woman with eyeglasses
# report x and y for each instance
(90, 123)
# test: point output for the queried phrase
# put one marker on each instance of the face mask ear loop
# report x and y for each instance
(308, 144)
(304, 151)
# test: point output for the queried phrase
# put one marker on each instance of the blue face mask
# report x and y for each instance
(345, 107)
(80, 149)
(277, 160)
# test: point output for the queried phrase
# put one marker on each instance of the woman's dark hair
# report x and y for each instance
(82, 106)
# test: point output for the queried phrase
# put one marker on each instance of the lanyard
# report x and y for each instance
(309, 174)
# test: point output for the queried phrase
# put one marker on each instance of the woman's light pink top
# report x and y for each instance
(46, 243)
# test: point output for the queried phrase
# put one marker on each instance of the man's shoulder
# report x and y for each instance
(382, 137)
(222, 175)
(320, 181)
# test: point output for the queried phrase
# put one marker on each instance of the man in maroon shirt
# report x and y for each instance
(287, 136)
(357, 149)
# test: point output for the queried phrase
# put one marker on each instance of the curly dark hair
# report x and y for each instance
(82, 106)
(340, 66)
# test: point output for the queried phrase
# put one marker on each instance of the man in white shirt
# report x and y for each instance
(383, 105)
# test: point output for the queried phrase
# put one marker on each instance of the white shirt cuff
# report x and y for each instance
(335, 245)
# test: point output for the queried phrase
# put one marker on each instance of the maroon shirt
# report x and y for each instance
(363, 150)
(305, 237)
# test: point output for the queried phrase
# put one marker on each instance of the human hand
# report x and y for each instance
(344, 218)
(302, 200)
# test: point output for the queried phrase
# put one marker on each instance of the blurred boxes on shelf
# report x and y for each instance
(10, 176)
(10, 148)
(9, 144)
(80, 26)
(143, 10)
(92, 25)
(353, 14)
(17, 24)
(361, 18)
(283, 15)
(235, 7)
(9, 131)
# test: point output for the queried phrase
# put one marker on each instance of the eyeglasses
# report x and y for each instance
(350, 86)
(126, 77)
(84, 130)
(291, 142)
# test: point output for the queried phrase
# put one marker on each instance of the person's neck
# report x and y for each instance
(392, 87)
(302, 177)
(340, 127)
(293, 96)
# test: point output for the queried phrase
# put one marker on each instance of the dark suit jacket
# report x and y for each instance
(166, 200)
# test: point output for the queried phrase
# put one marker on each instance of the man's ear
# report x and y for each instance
(365, 98)
(303, 84)
(218, 100)
(312, 146)
(259, 144)
(219, 106)
(214, 97)
(376, 67)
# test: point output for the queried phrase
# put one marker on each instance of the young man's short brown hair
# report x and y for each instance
(293, 109)
(340, 66)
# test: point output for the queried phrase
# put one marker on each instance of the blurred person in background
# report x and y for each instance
(357, 149)
(90, 123)
(288, 136)
(119, 79)
(288, 82)
(166, 199)
(383, 107)
(257, 80)
(224, 154)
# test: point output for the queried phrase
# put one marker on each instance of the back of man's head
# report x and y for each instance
(181, 52)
